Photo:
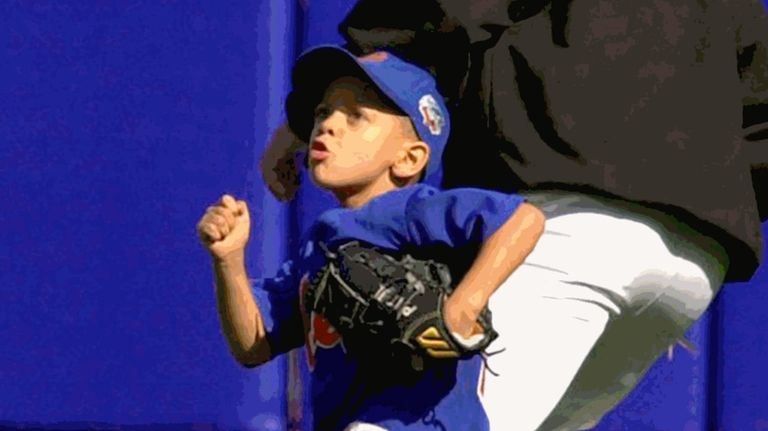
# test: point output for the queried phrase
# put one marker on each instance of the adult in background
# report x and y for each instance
(639, 128)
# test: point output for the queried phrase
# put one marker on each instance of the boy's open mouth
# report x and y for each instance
(318, 151)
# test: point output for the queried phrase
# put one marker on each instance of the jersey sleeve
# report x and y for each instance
(278, 302)
(457, 217)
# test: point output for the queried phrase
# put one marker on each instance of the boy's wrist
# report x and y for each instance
(471, 303)
(465, 305)
(232, 260)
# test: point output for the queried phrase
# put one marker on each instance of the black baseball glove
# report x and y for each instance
(389, 308)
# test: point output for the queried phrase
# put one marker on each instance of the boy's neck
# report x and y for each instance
(356, 198)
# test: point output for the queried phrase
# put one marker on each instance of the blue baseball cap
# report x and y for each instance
(412, 89)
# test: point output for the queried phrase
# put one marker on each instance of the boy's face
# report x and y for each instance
(356, 138)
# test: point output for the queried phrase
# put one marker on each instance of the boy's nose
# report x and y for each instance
(333, 124)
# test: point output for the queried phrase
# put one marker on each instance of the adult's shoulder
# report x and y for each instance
(424, 32)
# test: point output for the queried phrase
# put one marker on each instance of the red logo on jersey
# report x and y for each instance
(320, 332)
(324, 334)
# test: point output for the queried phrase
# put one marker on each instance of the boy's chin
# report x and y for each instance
(337, 186)
(325, 183)
(319, 179)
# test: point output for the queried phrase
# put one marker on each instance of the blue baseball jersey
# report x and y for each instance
(447, 226)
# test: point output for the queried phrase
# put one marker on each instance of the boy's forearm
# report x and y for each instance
(240, 316)
(499, 256)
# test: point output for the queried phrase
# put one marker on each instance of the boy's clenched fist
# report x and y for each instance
(225, 226)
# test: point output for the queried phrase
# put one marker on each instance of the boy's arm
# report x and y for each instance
(224, 231)
(499, 256)
(240, 316)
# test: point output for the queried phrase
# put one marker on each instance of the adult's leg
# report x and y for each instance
(583, 318)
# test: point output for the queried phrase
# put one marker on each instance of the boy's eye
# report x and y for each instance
(321, 111)
(355, 115)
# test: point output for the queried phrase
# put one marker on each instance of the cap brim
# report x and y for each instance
(313, 73)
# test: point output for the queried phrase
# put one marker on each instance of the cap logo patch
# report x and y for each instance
(376, 57)
(431, 114)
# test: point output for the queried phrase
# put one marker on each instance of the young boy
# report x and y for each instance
(376, 126)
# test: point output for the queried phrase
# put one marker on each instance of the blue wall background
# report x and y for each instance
(119, 123)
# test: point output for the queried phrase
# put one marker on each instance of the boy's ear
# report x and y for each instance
(411, 160)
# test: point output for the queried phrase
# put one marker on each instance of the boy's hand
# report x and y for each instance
(392, 306)
(460, 317)
(225, 227)
(461, 320)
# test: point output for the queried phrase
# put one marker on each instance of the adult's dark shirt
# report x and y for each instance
(661, 103)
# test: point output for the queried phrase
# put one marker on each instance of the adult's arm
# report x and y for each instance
(753, 70)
